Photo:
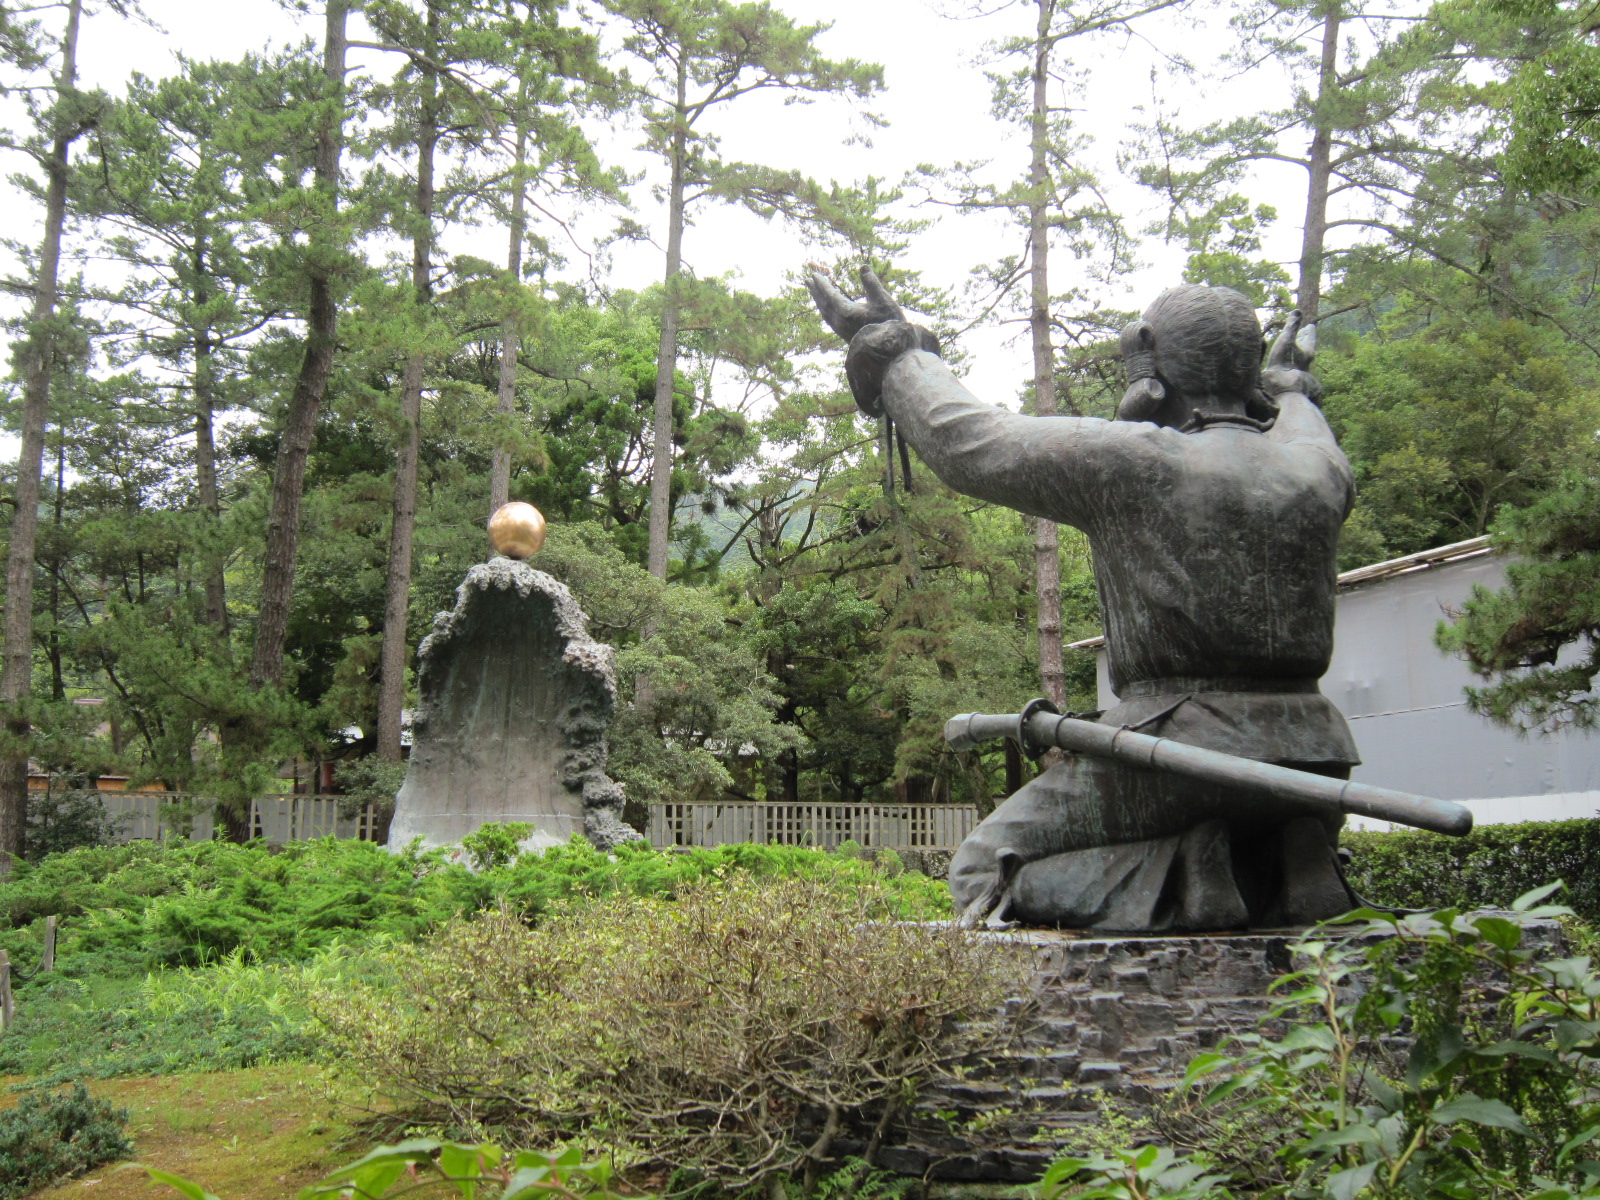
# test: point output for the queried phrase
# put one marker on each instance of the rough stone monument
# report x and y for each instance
(1213, 505)
(515, 701)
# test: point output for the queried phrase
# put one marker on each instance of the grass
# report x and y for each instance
(258, 1134)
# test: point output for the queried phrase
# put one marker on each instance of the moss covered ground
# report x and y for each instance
(262, 1133)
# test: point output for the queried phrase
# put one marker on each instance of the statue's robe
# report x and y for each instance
(1215, 559)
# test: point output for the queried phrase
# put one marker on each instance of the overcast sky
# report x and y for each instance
(936, 101)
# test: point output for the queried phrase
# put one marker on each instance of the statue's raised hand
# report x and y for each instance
(876, 329)
(848, 317)
(1288, 366)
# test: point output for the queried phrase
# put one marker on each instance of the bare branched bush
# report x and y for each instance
(733, 1032)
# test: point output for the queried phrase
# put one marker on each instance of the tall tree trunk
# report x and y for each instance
(316, 367)
(402, 529)
(666, 368)
(1046, 536)
(500, 469)
(38, 360)
(667, 354)
(58, 679)
(1319, 166)
(205, 449)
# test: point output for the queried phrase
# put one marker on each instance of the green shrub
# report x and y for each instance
(495, 844)
(57, 821)
(51, 1136)
(368, 780)
(1490, 867)
(727, 1033)
(226, 937)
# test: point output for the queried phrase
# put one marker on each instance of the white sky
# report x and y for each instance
(936, 100)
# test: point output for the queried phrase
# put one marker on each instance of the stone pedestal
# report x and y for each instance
(515, 700)
(1102, 1019)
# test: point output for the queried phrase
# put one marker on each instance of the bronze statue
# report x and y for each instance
(1213, 504)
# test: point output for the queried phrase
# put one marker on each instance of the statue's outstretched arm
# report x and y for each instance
(1060, 468)
(1066, 469)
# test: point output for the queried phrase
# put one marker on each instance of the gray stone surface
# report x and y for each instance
(515, 700)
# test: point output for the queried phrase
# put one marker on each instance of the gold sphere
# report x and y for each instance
(517, 530)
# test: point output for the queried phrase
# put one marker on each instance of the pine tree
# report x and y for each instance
(68, 118)
(558, 76)
(1367, 129)
(322, 265)
(164, 185)
(1538, 638)
(703, 54)
(438, 105)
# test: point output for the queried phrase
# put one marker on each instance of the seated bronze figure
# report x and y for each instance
(1213, 504)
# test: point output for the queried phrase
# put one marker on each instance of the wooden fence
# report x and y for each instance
(874, 826)
(277, 819)
(281, 819)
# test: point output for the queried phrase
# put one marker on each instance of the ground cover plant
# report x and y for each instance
(145, 904)
(729, 1035)
(55, 1135)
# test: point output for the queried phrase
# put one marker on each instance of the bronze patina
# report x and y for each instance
(1213, 505)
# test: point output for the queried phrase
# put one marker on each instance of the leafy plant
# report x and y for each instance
(495, 844)
(422, 1165)
(57, 821)
(129, 909)
(55, 1135)
(369, 780)
(1427, 1055)
(1143, 1174)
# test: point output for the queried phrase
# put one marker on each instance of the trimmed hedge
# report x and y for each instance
(1490, 867)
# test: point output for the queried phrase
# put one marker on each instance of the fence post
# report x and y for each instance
(47, 960)
(8, 1008)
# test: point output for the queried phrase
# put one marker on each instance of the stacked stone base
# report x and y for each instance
(1105, 1022)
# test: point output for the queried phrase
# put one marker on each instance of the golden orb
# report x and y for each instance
(517, 530)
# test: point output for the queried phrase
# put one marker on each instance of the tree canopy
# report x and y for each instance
(268, 382)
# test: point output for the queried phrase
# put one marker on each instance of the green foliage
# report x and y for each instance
(200, 956)
(1446, 423)
(1493, 865)
(1143, 1174)
(58, 821)
(494, 844)
(52, 1136)
(194, 1019)
(706, 1034)
(1538, 638)
(1432, 1055)
(368, 780)
(421, 1166)
(132, 908)
(1556, 92)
